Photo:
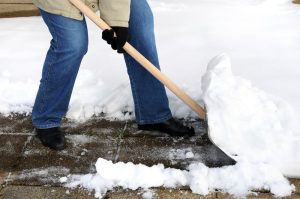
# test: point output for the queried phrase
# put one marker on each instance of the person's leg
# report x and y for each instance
(68, 46)
(150, 99)
(151, 103)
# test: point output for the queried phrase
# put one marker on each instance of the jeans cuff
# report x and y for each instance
(158, 120)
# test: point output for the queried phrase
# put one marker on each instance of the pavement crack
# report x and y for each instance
(30, 137)
(119, 142)
(7, 179)
(29, 134)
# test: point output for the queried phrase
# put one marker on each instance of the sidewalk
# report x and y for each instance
(29, 170)
(17, 8)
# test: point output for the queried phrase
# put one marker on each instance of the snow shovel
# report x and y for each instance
(153, 70)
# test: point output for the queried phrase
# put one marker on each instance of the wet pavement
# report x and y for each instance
(29, 170)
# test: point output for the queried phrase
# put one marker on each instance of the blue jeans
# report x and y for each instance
(68, 46)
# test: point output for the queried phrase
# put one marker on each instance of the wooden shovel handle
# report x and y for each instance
(144, 62)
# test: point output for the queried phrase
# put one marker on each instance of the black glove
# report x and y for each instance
(118, 42)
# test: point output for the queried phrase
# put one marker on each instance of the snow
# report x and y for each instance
(148, 194)
(63, 179)
(253, 102)
(257, 126)
(260, 36)
(46, 175)
(189, 154)
(259, 132)
(237, 180)
(79, 139)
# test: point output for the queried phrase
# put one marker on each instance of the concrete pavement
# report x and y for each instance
(29, 170)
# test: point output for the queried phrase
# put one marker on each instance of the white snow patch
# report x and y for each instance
(63, 179)
(176, 155)
(48, 174)
(148, 194)
(80, 139)
(189, 154)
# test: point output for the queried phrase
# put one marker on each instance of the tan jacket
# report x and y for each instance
(113, 12)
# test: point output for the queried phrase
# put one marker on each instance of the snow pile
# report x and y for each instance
(237, 180)
(248, 122)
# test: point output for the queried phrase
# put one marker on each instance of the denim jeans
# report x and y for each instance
(68, 46)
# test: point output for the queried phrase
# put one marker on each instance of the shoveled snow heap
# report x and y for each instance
(243, 120)
(248, 122)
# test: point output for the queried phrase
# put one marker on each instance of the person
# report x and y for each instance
(131, 20)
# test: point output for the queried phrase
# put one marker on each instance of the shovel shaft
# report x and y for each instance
(144, 62)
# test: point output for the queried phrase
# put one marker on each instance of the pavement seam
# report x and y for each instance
(29, 134)
(29, 139)
(7, 180)
(119, 142)
(20, 157)
(45, 186)
(116, 158)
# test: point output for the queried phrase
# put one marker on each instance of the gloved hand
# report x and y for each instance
(118, 42)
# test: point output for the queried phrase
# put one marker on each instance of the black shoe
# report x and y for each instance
(52, 138)
(172, 127)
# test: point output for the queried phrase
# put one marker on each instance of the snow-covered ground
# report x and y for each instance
(260, 36)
